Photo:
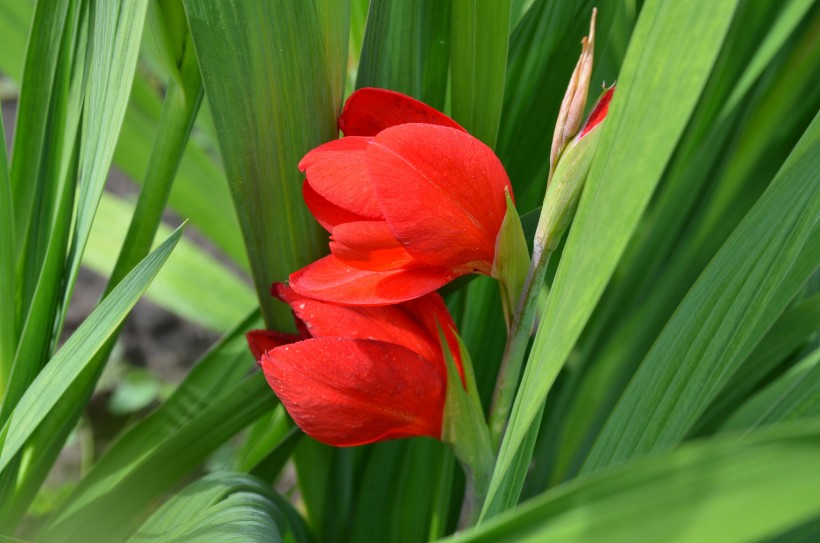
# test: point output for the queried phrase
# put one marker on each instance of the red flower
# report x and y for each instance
(411, 200)
(357, 375)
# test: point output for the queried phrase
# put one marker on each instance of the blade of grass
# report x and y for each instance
(41, 258)
(727, 490)
(179, 111)
(200, 189)
(480, 38)
(658, 87)
(69, 362)
(736, 299)
(40, 265)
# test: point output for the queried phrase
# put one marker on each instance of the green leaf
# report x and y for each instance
(658, 87)
(406, 48)
(115, 30)
(480, 34)
(791, 330)
(734, 301)
(795, 396)
(723, 491)
(61, 371)
(219, 507)
(512, 259)
(273, 98)
(8, 317)
(192, 284)
(45, 197)
(31, 133)
(269, 467)
(464, 427)
(395, 490)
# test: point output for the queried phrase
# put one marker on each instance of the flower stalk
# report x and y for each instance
(465, 429)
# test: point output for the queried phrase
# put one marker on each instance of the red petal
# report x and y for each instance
(431, 313)
(599, 112)
(369, 111)
(262, 341)
(397, 324)
(442, 193)
(326, 213)
(347, 392)
(331, 280)
(337, 172)
(369, 246)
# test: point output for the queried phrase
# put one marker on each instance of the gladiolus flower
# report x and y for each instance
(411, 200)
(358, 375)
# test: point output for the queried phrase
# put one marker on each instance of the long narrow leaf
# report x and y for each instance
(406, 48)
(478, 63)
(61, 371)
(8, 317)
(789, 332)
(271, 91)
(794, 396)
(116, 29)
(42, 57)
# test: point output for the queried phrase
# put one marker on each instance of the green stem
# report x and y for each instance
(478, 475)
(516, 346)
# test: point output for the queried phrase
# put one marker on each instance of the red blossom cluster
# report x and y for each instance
(411, 202)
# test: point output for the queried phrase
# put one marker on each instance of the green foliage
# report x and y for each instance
(689, 495)
(632, 153)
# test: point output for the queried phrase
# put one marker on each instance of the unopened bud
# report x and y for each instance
(575, 98)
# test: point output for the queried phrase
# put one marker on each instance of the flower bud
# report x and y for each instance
(575, 98)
